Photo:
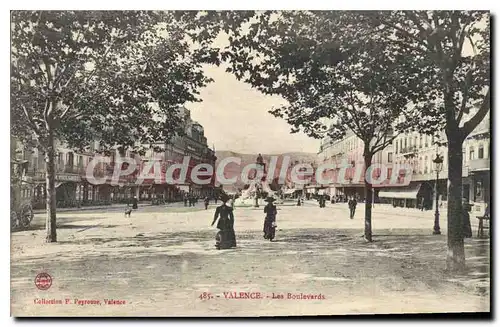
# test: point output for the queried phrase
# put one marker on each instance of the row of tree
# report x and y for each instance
(119, 77)
(377, 74)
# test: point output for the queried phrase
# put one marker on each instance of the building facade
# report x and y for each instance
(350, 150)
(192, 144)
(73, 188)
(418, 151)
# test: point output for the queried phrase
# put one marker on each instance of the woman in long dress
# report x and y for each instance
(226, 237)
(270, 221)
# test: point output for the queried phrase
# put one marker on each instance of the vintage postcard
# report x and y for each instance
(249, 163)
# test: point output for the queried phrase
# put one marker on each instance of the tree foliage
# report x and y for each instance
(452, 52)
(334, 77)
(116, 77)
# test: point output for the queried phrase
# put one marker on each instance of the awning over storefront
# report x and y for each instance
(184, 188)
(400, 192)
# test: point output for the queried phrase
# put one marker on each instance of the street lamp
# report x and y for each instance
(438, 166)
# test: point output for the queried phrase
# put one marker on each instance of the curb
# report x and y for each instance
(41, 211)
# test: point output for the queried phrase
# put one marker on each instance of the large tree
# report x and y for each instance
(115, 77)
(452, 52)
(333, 77)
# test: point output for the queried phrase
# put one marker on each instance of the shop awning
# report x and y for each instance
(184, 188)
(400, 193)
(59, 184)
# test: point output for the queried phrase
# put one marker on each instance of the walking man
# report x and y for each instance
(352, 207)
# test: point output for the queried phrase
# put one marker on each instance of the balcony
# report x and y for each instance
(409, 150)
(479, 165)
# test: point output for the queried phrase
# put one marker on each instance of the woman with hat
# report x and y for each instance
(226, 237)
(270, 220)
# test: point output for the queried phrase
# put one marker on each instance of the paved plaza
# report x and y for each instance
(162, 262)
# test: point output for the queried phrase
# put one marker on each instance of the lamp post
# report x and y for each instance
(438, 162)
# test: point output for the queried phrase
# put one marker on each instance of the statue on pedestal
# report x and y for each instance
(260, 162)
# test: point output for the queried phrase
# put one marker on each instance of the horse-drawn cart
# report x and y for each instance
(21, 199)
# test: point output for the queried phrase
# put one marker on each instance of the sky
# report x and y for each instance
(235, 118)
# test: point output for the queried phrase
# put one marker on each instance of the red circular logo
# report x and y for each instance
(43, 281)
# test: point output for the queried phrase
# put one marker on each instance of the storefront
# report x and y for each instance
(414, 195)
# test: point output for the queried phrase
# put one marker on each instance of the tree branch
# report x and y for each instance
(30, 120)
(465, 95)
(469, 126)
(384, 144)
(404, 32)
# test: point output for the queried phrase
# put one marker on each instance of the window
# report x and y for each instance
(70, 159)
(426, 141)
(416, 141)
(471, 154)
(389, 157)
(480, 152)
(426, 160)
(396, 147)
(406, 145)
(401, 145)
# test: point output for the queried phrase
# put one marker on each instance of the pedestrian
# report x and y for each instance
(467, 230)
(352, 207)
(422, 204)
(298, 202)
(185, 200)
(134, 203)
(206, 202)
(487, 210)
(270, 220)
(226, 237)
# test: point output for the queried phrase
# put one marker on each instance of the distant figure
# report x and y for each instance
(206, 201)
(352, 203)
(299, 202)
(226, 237)
(270, 220)
(487, 210)
(134, 202)
(467, 230)
(422, 204)
(322, 200)
(185, 200)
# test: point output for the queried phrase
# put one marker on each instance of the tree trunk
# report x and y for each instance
(368, 199)
(50, 224)
(456, 256)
